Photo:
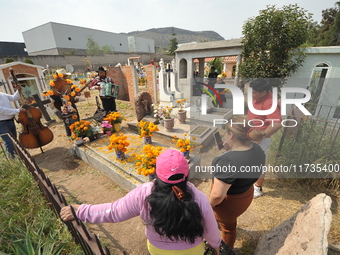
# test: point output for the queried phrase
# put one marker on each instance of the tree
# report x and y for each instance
(271, 41)
(217, 63)
(9, 60)
(28, 61)
(93, 47)
(173, 44)
(330, 27)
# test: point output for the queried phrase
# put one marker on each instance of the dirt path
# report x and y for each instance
(80, 183)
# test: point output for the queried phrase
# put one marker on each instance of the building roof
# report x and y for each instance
(3, 66)
(210, 45)
(12, 49)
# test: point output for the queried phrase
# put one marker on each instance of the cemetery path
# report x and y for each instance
(80, 183)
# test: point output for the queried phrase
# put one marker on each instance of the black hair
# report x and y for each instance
(260, 85)
(177, 220)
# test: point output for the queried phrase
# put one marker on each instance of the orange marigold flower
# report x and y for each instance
(74, 117)
(68, 81)
(60, 75)
(50, 92)
(67, 97)
(55, 76)
(73, 93)
(52, 83)
(77, 89)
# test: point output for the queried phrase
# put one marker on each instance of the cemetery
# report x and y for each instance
(172, 89)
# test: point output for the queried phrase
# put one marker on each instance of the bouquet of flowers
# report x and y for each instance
(146, 162)
(81, 128)
(181, 103)
(146, 128)
(186, 144)
(167, 111)
(158, 113)
(106, 126)
(118, 142)
(113, 118)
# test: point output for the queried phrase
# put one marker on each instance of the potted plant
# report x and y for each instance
(182, 114)
(168, 120)
(115, 119)
(146, 129)
(119, 143)
(107, 127)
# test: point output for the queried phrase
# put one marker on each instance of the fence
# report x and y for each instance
(89, 242)
(314, 138)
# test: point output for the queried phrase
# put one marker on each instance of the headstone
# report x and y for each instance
(305, 233)
(143, 104)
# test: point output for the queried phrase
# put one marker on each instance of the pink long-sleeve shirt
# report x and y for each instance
(133, 204)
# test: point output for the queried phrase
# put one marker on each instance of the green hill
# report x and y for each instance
(163, 35)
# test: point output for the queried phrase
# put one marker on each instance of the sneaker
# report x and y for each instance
(257, 191)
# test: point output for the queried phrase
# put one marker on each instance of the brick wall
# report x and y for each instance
(150, 73)
(126, 77)
(20, 69)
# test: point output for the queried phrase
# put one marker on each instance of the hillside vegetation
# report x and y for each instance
(163, 35)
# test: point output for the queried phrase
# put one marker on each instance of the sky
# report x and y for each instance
(222, 16)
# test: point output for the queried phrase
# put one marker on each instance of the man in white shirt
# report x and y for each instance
(7, 113)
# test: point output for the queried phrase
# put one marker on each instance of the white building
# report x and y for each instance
(57, 39)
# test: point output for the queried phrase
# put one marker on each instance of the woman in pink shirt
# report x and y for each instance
(177, 216)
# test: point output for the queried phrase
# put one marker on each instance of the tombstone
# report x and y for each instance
(143, 104)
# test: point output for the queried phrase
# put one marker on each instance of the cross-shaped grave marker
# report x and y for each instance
(40, 104)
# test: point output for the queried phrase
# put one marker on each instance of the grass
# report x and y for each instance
(27, 225)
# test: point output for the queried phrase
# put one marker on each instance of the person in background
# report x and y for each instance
(106, 93)
(232, 190)
(7, 113)
(270, 124)
(212, 76)
(177, 216)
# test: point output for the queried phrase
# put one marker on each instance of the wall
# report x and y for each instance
(34, 41)
(78, 61)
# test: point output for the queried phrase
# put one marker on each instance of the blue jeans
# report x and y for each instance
(8, 127)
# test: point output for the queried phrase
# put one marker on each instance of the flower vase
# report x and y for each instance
(182, 115)
(117, 127)
(147, 139)
(78, 142)
(152, 177)
(186, 154)
(169, 124)
(120, 155)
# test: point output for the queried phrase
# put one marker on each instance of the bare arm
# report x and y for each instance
(272, 129)
(218, 192)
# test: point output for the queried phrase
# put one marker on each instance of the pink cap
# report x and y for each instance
(171, 162)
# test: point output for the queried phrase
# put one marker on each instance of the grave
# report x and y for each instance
(124, 173)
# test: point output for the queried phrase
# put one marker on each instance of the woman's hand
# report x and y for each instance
(66, 213)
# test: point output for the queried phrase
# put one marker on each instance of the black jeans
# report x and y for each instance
(109, 104)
